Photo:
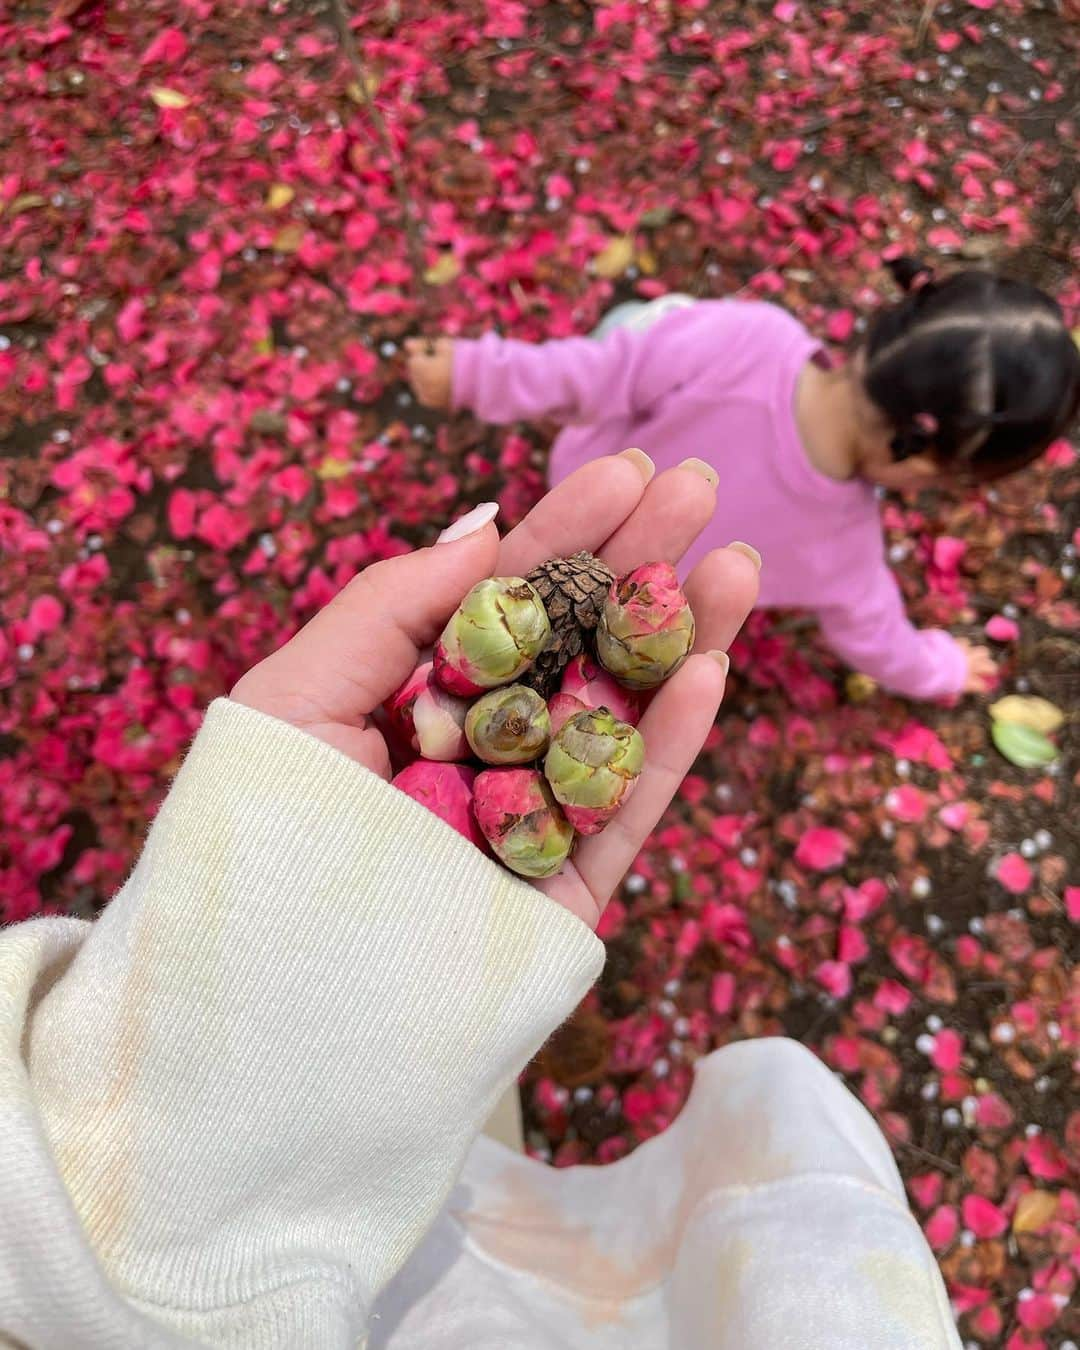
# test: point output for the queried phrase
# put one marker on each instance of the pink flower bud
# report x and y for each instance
(428, 719)
(447, 791)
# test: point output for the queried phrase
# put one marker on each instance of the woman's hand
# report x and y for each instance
(982, 671)
(333, 675)
(431, 369)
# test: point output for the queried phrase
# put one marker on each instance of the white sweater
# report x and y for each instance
(233, 1107)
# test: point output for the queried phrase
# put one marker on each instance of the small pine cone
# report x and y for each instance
(573, 591)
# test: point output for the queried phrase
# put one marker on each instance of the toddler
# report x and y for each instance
(967, 378)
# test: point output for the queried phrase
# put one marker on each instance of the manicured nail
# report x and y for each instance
(702, 469)
(641, 461)
(722, 660)
(749, 551)
(469, 523)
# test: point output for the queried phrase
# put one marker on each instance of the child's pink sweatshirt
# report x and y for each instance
(718, 381)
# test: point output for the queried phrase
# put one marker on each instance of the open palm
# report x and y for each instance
(333, 675)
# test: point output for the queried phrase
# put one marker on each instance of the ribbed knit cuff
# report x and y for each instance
(277, 1044)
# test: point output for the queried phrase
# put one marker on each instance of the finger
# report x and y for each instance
(676, 507)
(358, 650)
(722, 590)
(581, 513)
(674, 727)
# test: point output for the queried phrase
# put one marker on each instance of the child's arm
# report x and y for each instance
(571, 380)
(875, 637)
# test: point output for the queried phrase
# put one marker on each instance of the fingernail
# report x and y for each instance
(748, 550)
(722, 660)
(641, 461)
(469, 523)
(702, 469)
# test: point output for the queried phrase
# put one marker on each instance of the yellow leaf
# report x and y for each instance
(289, 238)
(1026, 710)
(280, 195)
(165, 97)
(647, 264)
(332, 467)
(356, 93)
(26, 201)
(1034, 1211)
(264, 346)
(615, 257)
(860, 688)
(443, 270)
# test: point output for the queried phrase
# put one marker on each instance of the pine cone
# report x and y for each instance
(573, 591)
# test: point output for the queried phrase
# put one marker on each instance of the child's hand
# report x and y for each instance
(431, 364)
(981, 668)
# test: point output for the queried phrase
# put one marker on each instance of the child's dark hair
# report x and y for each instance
(976, 370)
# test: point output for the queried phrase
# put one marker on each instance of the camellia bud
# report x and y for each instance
(508, 726)
(447, 791)
(428, 719)
(593, 687)
(495, 635)
(646, 628)
(522, 821)
(593, 766)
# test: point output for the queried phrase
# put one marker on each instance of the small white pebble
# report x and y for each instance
(1025, 1294)
(1030, 1131)
(967, 1238)
(54, 526)
(1028, 848)
(1053, 1030)
(660, 1068)
(671, 988)
(935, 1023)
(1004, 1034)
(387, 348)
(681, 1026)
(903, 768)
(1010, 611)
(951, 1118)
(24, 651)
(969, 1106)
(183, 616)
(935, 925)
(748, 857)
(343, 385)
(925, 1044)
(888, 829)
(1043, 840)
(976, 926)
(634, 884)
(1042, 1084)
(920, 888)
(666, 1008)
(583, 1094)
(928, 1092)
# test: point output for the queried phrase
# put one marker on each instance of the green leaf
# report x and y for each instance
(1022, 746)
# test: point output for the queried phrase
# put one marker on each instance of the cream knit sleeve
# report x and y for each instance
(230, 1108)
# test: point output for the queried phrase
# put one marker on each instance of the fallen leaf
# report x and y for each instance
(614, 258)
(332, 468)
(165, 97)
(1022, 746)
(1034, 1211)
(443, 270)
(1027, 710)
(289, 238)
(26, 201)
(280, 195)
